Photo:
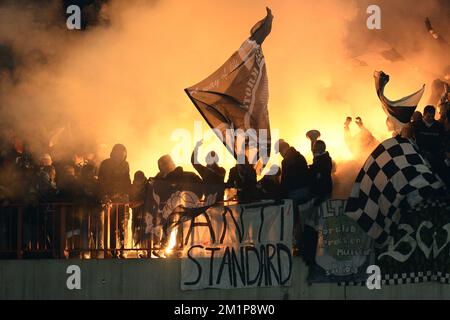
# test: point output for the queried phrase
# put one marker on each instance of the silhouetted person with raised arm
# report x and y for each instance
(212, 174)
(361, 143)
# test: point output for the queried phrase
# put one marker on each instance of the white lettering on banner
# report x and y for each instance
(238, 246)
(343, 248)
(418, 241)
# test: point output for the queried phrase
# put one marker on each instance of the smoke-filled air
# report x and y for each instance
(122, 78)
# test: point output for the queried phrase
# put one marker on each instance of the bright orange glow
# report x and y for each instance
(172, 242)
(124, 83)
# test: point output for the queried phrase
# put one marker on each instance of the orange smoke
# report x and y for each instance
(125, 83)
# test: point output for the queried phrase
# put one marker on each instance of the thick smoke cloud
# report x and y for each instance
(403, 30)
(121, 78)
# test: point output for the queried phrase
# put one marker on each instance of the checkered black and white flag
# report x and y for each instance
(395, 176)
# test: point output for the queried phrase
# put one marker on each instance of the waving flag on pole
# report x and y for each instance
(399, 111)
(236, 97)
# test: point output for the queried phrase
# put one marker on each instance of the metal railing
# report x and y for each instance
(69, 230)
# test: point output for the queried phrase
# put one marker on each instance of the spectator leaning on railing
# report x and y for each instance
(114, 181)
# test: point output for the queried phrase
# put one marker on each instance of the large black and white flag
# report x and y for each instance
(400, 111)
(393, 178)
(236, 97)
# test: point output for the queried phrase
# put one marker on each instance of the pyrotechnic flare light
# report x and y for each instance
(172, 242)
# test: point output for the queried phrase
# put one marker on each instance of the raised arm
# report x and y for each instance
(194, 159)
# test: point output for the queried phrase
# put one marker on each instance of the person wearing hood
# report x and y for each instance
(321, 189)
(295, 180)
(295, 185)
(320, 172)
(115, 183)
(114, 174)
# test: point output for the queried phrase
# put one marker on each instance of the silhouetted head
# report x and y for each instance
(282, 147)
(50, 171)
(118, 153)
(407, 132)
(428, 113)
(139, 177)
(45, 160)
(166, 165)
(417, 116)
(390, 124)
(212, 158)
(69, 171)
(319, 147)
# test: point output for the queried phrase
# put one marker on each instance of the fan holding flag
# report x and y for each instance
(233, 100)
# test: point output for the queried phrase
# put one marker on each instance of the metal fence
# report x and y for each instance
(68, 230)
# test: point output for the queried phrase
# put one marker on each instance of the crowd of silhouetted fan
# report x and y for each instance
(30, 178)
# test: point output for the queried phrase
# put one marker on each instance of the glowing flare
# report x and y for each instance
(172, 242)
